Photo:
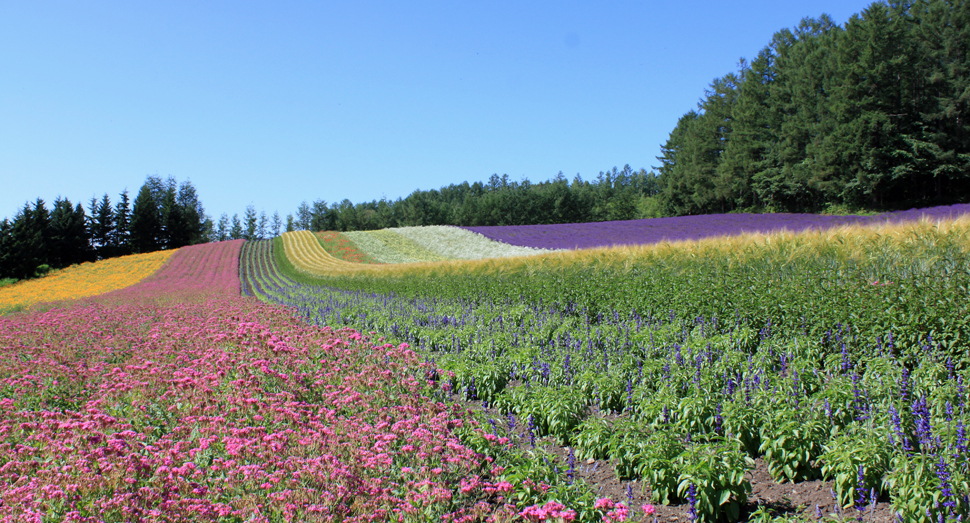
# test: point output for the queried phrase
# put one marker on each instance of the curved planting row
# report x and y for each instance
(178, 400)
(306, 253)
(836, 356)
(531, 482)
(194, 272)
(340, 247)
(681, 228)
(80, 281)
(460, 244)
(389, 247)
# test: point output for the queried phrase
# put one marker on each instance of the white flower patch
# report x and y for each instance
(460, 244)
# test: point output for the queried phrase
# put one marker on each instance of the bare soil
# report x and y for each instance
(808, 499)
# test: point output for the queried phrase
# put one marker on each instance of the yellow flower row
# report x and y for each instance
(81, 281)
(307, 255)
(858, 242)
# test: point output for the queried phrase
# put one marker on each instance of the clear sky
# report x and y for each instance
(273, 103)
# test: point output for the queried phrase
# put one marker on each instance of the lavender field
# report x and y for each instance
(653, 230)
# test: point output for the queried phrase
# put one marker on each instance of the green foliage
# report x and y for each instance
(791, 441)
(916, 492)
(685, 364)
(845, 454)
(617, 194)
(830, 117)
(717, 472)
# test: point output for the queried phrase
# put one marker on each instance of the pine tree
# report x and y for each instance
(319, 216)
(146, 222)
(28, 240)
(69, 241)
(176, 232)
(6, 250)
(120, 240)
(303, 216)
(101, 226)
(251, 223)
(261, 228)
(236, 232)
(276, 223)
(193, 214)
(222, 230)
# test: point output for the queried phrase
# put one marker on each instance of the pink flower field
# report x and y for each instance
(178, 400)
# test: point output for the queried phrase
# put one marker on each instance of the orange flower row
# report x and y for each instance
(340, 247)
(81, 281)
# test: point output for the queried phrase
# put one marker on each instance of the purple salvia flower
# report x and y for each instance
(860, 502)
(532, 431)
(904, 385)
(571, 471)
(945, 488)
(692, 502)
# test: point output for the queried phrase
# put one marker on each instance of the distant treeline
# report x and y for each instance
(614, 195)
(875, 114)
(164, 215)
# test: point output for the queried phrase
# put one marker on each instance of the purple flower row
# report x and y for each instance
(654, 230)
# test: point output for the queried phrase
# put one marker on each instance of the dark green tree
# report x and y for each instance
(101, 226)
(29, 236)
(121, 239)
(68, 241)
(236, 232)
(146, 233)
(249, 232)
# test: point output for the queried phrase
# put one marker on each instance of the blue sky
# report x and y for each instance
(273, 103)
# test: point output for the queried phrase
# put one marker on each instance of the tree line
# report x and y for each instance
(875, 114)
(164, 215)
(613, 195)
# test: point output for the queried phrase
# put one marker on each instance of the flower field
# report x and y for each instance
(307, 255)
(654, 230)
(827, 360)
(179, 400)
(432, 243)
(79, 281)
(387, 246)
(788, 377)
(455, 243)
(340, 247)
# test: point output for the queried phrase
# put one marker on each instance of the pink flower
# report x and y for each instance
(603, 504)
(649, 509)
(620, 513)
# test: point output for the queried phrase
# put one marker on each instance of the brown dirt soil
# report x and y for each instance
(779, 498)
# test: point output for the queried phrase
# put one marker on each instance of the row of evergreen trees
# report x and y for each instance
(614, 195)
(875, 114)
(164, 215)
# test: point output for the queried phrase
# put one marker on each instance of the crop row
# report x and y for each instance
(178, 400)
(838, 354)
(680, 228)
(340, 247)
(522, 473)
(80, 281)
(433, 243)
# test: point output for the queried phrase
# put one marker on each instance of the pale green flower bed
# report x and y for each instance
(460, 244)
(380, 249)
(432, 243)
